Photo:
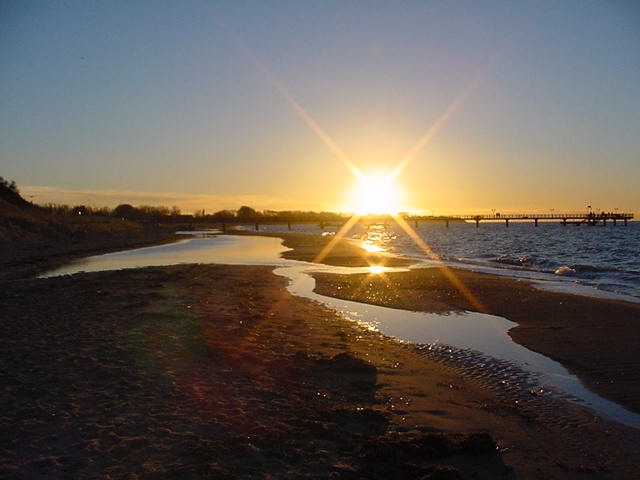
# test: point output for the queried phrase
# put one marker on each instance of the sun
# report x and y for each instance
(376, 193)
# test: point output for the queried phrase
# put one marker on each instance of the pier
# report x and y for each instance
(589, 218)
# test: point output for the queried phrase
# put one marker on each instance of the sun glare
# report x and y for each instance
(377, 269)
(376, 193)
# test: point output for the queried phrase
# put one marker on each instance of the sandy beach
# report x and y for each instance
(209, 371)
(593, 337)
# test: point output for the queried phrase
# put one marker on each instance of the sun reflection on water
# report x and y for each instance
(377, 269)
(376, 238)
(371, 247)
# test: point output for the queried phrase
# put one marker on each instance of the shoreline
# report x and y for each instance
(593, 337)
(26, 259)
(544, 279)
(578, 346)
(537, 312)
(197, 370)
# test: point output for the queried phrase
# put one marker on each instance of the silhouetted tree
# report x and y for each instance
(79, 210)
(10, 193)
(247, 213)
(11, 185)
(126, 211)
(223, 216)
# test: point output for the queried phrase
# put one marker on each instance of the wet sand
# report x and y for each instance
(205, 371)
(595, 339)
(34, 255)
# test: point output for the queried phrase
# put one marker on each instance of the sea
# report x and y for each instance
(599, 260)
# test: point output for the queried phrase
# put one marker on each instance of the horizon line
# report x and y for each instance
(110, 198)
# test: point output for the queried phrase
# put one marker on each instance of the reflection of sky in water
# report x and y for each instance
(475, 331)
(469, 330)
(222, 249)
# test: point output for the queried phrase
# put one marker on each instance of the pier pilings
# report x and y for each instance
(575, 218)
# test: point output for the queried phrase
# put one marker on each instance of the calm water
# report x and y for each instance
(479, 340)
(605, 259)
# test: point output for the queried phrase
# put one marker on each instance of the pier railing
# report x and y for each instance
(589, 218)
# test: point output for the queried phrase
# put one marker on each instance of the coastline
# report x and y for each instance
(593, 337)
(24, 259)
(129, 366)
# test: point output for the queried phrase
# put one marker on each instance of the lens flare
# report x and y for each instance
(376, 193)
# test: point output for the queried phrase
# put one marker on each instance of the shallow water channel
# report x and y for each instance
(478, 338)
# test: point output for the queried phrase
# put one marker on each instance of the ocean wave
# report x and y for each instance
(565, 270)
(582, 268)
(522, 260)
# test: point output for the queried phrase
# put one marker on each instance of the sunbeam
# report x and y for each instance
(461, 287)
(448, 113)
(337, 237)
(376, 195)
(291, 101)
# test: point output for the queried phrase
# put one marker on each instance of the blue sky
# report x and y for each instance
(177, 103)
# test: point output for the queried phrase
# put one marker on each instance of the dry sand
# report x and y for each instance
(204, 371)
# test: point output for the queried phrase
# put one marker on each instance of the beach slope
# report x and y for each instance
(210, 371)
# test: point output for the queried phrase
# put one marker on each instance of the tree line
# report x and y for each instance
(163, 214)
(150, 214)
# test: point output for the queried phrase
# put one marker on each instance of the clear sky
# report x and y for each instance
(216, 104)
